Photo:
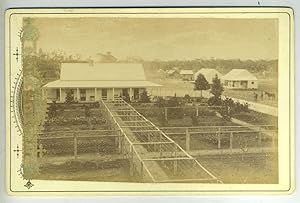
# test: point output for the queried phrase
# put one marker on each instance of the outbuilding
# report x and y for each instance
(240, 79)
(186, 75)
(208, 73)
(94, 81)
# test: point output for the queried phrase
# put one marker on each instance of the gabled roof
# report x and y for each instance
(102, 71)
(239, 74)
(186, 72)
(171, 71)
(208, 73)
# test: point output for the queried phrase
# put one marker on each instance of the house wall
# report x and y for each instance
(251, 84)
(99, 94)
(187, 77)
(51, 95)
(90, 93)
(109, 93)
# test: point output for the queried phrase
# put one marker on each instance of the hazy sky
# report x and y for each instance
(161, 38)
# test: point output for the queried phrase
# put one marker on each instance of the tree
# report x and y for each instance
(216, 90)
(201, 83)
(144, 98)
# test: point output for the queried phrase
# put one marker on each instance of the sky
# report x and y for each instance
(161, 38)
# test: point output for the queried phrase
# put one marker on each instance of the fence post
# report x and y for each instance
(273, 141)
(231, 141)
(187, 140)
(131, 162)
(175, 161)
(259, 136)
(160, 147)
(75, 146)
(142, 176)
(166, 113)
(120, 141)
(197, 111)
(219, 138)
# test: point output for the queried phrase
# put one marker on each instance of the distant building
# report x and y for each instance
(173, 73)
(208, 73)
(94, 81)
(186, 75)
(240, 79)
(105, 58)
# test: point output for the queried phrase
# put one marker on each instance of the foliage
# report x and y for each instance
(231, 108)
(213, 101)
(126, 96)
(144, 97)
(69, 96)
(217, 87)
(174, 102)
(52, 110)
(161, 102)
(201, 83)
(87, 111)
(187, 98)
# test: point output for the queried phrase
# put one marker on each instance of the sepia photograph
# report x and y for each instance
(148, 99)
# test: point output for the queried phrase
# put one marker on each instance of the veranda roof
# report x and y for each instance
(238, 75)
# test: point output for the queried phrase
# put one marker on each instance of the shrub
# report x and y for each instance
(144, 98)
(69, 97)
(231, 108)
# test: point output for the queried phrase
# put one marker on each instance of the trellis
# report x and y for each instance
(153, 156)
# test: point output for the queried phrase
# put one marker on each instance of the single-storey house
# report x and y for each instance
(93, 81)
(186, 75)
(208, 73)
(240, 79)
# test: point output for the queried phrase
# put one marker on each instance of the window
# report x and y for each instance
(104, 92)
(252, 83)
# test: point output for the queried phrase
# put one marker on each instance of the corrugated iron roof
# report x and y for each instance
(186, 72)
(102, 71)
(239, 74)
(208, 73)
(99, 84)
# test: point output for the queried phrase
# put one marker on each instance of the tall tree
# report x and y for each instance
(216, 89)
(201, 83)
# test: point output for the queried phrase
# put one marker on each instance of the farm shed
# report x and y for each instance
(240, 79)
(208, 73)
(186, 75)
(92, 81)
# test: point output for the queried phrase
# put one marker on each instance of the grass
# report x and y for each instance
(257, 118)
(181, 88)
(243, 170)
(230, 169)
